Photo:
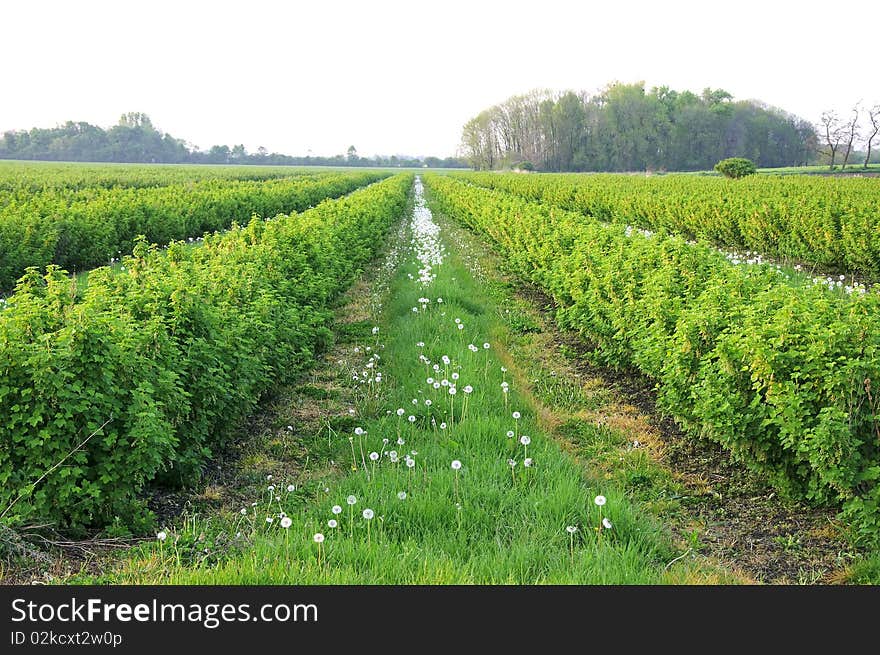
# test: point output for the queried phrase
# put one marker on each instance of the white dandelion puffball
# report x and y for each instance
(443, 425)
(359, 431)
(374, 456)
(332, 523)
(400, 411)
(461, 326)
(286, 522)
(411, 418)
(400, 441)
(428, 402)
(571, 529)
(368, 514)
(375, 330)
(504, 369)
(600, 500)
(336, 509)
(410, 462)
(436, 385)
(319, 538)
(162, 536)
(527, 462)
(606, 523)
(452, 391)
(468, 389)
(458, 320)
(511, 463)
(244, 511)
(351, 500)
(269, 519)
(525, 440)
(430, 380)
(401, 495)
(510, 434)
(486, 345)
(454, 376)
(516, 415)
(456, 465)
(291, 487)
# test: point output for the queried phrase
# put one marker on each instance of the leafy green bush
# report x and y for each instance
(80, 229)
(829, 222)
(736, 167)
(143, 373)
(779, 373)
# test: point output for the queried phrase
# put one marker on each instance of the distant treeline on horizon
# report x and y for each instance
(626, 128)
(135, 140)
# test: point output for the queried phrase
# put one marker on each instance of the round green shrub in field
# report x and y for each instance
(736, 167)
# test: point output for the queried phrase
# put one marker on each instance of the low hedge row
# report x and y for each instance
(827, 222)
(86, 229)
(168, 354)
(784, 375)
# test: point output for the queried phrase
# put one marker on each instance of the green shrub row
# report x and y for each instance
(828, 222)
(40, 176)
(784, 375)
(169, 354)
(101, 224)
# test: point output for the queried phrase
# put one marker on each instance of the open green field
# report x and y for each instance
(443, 379)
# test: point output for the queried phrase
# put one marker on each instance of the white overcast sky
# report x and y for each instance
(403, 77)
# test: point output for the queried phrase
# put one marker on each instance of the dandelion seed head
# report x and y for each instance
(525, 440)
(351, 500)
(516, 415)
(600, 500)
(368, 514)
(401, 495)
(286, 522)
(337, 509)
(332, 523)
(318, 538)
(162, 535)
(606, 523)
(456, 465)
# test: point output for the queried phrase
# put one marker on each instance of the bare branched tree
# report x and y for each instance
(850, 132)
(871, 134)
(832, 133)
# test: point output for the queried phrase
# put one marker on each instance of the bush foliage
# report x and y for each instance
(736, 167)
(781, 373)
(167, 355)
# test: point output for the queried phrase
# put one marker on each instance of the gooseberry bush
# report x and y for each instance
(81, 229)
(828, 222)
(782, 374)
(139, 377)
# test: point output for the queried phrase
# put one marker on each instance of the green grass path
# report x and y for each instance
(416, 517)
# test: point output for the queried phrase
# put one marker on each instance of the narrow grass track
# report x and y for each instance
(441, 473)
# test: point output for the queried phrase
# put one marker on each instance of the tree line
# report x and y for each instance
(625, 127)
(136, 140)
